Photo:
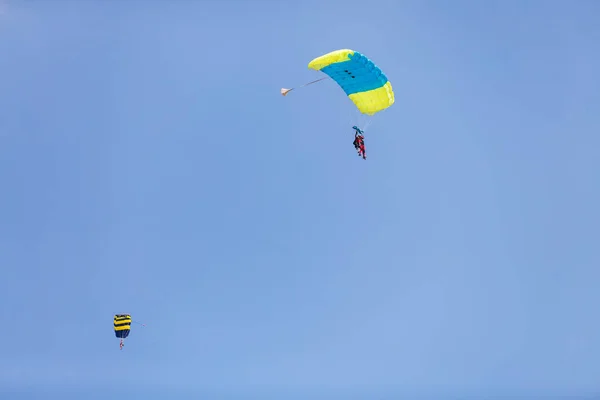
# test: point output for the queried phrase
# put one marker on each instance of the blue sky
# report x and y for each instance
(149, 165)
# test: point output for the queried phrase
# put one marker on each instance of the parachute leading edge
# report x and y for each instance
(362, 81)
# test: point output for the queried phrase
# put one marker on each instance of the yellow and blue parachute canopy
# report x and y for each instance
(122, 325)
(362, 81)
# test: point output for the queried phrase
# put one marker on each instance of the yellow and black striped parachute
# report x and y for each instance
(122, 324)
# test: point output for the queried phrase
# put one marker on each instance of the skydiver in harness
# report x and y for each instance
(359, 142)
(121, 344)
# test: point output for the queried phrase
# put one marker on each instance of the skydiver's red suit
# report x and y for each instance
(359, 145)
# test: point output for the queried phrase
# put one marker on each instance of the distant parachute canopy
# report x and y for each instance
(362, 81)
(122, 324)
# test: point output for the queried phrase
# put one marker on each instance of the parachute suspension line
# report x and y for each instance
(367, 123)
(285, 91)
(356, 118)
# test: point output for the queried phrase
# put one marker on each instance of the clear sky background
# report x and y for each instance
(149, 165)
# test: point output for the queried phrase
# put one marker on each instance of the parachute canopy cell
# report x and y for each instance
(122, 325)
(362, 81)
